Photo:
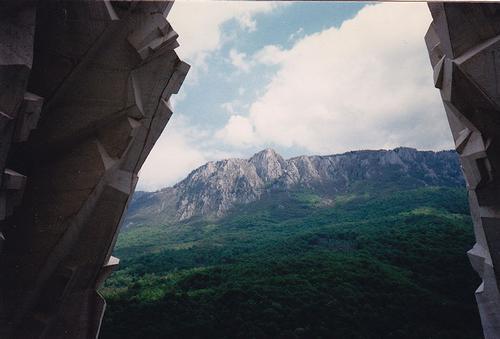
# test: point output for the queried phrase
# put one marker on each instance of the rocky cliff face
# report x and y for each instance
(216, 187)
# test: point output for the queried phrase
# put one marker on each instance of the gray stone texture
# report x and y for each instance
(84, 95)
(464, 48)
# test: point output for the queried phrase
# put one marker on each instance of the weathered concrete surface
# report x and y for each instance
(17, 109)
(84, 91)
(464, 47)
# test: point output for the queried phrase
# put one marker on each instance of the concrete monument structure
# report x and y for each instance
(84, 92)
(464, 47)
(85, 88)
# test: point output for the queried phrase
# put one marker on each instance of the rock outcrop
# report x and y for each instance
(216, 187)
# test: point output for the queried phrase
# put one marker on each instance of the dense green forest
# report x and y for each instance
(297, 265)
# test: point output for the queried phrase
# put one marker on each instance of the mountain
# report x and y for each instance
(361, 245)
(215, 188)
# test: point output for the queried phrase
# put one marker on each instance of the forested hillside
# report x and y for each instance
(299, 264)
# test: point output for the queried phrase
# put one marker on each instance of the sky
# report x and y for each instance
(298, 77)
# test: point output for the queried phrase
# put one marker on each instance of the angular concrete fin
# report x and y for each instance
(438, 73)
(106, 270)
(477, 256)
(28, 116)
(107, 160)
(111, 11)
(153, 35)
(462, 139)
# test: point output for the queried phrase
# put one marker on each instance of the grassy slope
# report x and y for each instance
(385, 266)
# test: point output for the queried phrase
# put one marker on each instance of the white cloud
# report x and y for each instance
(365, 85)
(199, 24)
(296, 34)
(239, 60)
(230, 107)
(270, 55)
(247, 22)
(238, 131)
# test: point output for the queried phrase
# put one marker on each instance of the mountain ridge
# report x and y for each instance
(216, 187)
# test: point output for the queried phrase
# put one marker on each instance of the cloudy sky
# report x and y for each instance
(302, 78)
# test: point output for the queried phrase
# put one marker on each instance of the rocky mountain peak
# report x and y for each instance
(265, 153)
(269, 165)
